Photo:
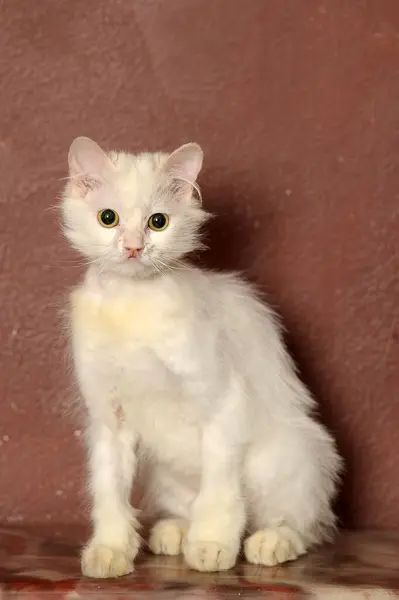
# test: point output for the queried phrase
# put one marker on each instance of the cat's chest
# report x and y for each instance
(126, 321)
(135, 348)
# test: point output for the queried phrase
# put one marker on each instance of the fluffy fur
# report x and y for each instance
(186, 380)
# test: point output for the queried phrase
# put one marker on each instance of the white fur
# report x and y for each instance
(186, 379)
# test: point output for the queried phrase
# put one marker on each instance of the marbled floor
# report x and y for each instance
(41, 563)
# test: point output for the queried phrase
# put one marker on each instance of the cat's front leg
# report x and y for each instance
(115, 541)
(218, 515)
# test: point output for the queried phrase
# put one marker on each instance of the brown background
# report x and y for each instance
(297, 107)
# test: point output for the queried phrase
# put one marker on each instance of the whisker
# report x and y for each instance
(155, 265)
(183, 266)
(176, 266)
(165, 265)
(52, 207)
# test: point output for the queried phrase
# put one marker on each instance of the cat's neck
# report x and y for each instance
(101, 278)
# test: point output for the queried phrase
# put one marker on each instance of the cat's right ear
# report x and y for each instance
(88, 165)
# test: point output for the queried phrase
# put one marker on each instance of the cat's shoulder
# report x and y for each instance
(228, 281)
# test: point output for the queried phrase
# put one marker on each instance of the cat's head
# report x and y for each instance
(135, 215)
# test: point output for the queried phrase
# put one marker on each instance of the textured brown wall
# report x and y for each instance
(296, 106)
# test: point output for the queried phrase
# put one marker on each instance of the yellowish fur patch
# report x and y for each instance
(139, 321)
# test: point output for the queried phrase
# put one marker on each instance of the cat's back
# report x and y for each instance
(234, 300)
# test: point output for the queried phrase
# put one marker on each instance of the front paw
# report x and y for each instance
(102, 561)
(167, 537)
(210, 556)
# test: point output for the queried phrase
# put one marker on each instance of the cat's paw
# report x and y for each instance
(210, 556)
(271, 547)
(102, 561)
(167, 536)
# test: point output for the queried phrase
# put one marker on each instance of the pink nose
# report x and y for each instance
(134, 252)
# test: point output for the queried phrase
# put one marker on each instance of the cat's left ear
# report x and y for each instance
(184, 165)
(88, 165)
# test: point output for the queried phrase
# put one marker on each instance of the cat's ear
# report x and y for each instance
(184, 165)
(88, 165)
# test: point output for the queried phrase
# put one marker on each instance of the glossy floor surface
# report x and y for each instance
(43, 563)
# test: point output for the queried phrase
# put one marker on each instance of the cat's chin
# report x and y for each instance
(135, 269)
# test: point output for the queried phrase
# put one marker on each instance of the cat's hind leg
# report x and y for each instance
(290, 487)
(274, 545)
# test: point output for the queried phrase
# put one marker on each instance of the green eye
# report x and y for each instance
(158, 221)
(108, 218)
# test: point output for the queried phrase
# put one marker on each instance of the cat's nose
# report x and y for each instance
(134, 252)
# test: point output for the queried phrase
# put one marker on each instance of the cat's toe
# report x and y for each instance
(271, 547)
(100, 561)
(167, 537)
(210, 556)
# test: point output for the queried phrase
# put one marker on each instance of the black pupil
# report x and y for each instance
(108, 217)
(158, 220)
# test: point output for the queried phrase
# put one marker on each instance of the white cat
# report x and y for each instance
(185, 377)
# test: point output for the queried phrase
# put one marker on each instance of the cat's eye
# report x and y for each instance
(108, 218)
(158, 221)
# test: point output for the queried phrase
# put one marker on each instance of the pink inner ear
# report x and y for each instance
(83, 184)
(88, 165)
(86, 157)
(185, 162)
